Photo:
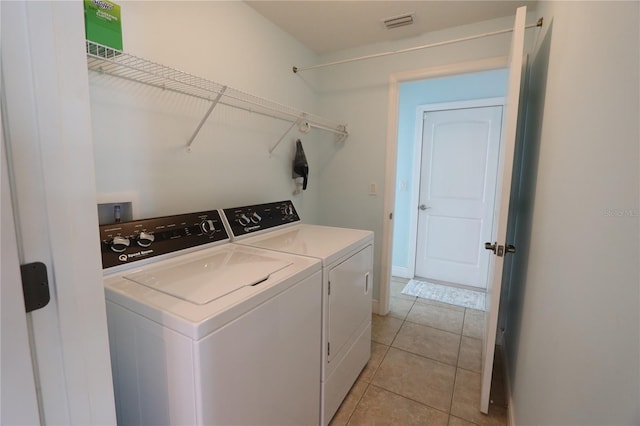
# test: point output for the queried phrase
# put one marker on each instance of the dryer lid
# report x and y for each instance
(203, 280)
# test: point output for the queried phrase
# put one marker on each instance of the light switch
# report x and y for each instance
(373, 190)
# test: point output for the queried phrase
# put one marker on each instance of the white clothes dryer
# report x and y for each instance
(203, 332)
(347, 261)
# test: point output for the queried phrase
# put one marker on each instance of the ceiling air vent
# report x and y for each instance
(398, 21)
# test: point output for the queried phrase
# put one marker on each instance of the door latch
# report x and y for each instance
(499, 250)
(35, 285)
(489, 246)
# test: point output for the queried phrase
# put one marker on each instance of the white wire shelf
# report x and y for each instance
(116, 63)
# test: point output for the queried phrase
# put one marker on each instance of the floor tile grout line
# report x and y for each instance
(379, 364)
(455, 374)
(395, 335)
(462, 418)
(406, 397)
(423, 356)
(426, 357)
(436, 328)
(470, 371)
(357, 403)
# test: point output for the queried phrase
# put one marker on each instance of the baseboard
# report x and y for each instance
(511, 413)
(374, 306)
(400, 271)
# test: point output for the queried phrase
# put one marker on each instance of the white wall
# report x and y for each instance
(573, 321)
(140, 133)
(357, 93)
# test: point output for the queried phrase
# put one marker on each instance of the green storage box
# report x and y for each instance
(102, 23)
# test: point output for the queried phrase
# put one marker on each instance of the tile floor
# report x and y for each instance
(424, 369)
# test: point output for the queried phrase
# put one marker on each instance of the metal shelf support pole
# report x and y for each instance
(204, 119)
(295, 123)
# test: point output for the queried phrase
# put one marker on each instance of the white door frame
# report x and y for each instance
(18, 400)
(382, 307)
(417, 161)
(51, 165)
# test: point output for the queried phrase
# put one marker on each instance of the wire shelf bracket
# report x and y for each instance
(112, 62)
(206, 116)
(295, 123)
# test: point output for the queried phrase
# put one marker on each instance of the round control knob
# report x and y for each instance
(243, 220)
(207, 226)
(145, 239)
(255, 218)
(119, 244)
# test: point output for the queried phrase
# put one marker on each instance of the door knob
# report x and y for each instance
(423, 207)
(489, 246)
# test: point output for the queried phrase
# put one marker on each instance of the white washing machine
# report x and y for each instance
(347, 259)
(203, 332)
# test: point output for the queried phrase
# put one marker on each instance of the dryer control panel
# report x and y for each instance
(126, 242)
(250, 219)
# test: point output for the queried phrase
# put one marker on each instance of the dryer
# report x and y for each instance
(203, 332)
(347, 261)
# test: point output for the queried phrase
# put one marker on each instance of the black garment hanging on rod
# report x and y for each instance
(300, 165)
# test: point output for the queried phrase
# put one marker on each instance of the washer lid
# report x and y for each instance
(323, 242)
(205, 279)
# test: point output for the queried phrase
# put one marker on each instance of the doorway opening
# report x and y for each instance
(432, 85)
(447, 157)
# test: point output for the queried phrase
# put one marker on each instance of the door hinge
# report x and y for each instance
(35, 285)
(391, 216)
(328, 348)
(329, 288)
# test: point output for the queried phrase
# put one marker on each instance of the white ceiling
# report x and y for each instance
(330, 26)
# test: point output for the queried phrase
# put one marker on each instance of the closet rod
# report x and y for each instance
(411, 49)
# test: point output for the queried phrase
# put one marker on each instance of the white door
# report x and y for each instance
(18, 403)
(457, 186)
(47, 132)
(503, 197)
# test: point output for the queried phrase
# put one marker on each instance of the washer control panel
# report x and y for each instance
(250, 219)
(126, 242)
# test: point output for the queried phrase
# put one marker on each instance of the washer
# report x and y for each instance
(203, 332)
(347, 258)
